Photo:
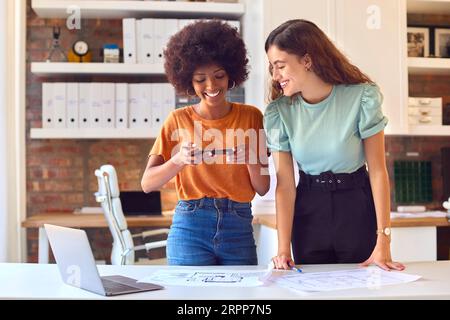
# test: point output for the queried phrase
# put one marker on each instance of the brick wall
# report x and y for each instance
(60, 173)
(428, 149)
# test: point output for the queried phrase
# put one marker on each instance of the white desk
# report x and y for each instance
(42, 281)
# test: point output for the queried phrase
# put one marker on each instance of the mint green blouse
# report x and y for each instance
(327, 135)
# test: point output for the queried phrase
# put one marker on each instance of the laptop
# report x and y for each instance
(77, 267)
(140, 203)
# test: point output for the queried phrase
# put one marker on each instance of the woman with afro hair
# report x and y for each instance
(215, 150)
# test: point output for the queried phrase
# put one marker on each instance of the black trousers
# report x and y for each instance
(334, 219)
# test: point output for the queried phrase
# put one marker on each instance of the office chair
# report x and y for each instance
(123, 249)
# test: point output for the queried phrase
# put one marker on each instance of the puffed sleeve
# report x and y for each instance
(167, 142)
(277, 138)
(371, 120)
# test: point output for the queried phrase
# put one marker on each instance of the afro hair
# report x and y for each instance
(201, 43)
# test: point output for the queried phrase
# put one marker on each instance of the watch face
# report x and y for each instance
(387, 231)
(80, 48)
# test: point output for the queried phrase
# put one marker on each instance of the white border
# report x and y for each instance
(16, 74)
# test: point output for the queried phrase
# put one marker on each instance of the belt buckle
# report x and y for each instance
(328, 181)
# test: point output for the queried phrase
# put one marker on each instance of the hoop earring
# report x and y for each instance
(233, 86)
(188, 94)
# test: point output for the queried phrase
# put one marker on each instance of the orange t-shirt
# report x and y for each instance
(213, 180)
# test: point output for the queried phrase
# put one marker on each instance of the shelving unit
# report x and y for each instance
(429, 66)
(101, 133)
(137, 9)
(437, 66)
(66, 68)
(117, 9)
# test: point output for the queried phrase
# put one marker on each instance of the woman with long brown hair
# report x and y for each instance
(326, 115)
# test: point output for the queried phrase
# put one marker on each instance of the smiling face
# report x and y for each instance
(288, 70)
(210, 83)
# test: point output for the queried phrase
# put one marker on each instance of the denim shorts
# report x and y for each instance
(211, 231)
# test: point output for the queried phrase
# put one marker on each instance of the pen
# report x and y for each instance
(296, 269)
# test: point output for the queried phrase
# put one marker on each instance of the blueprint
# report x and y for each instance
(372, 278)
(208, 278)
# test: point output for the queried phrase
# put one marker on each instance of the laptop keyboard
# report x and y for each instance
(112, 286)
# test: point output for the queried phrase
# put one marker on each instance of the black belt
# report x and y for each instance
(329, 181)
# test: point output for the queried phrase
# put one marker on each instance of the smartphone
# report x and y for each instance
(217, 152)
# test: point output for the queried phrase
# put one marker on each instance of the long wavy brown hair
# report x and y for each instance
(301, 37)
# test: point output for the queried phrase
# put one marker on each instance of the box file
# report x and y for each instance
(84, 102)
(168, 102)
(133, 104)
(47, 105)
(72, 105)
(139, 42)
(157, 104)
(121, 105)
(59, 103)
(109, 104)
(164, 29)
(145, 105)
(129, 40)
(96, 115)
(147, 41)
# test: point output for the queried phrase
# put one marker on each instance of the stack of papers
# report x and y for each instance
(428, 214)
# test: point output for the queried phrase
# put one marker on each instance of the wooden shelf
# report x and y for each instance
(101, 133)
(137, 9)
(439, 66)
(428, 6)
(62, 68)
(426, 130)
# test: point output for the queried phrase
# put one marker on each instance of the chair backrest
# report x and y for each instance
(108, 195)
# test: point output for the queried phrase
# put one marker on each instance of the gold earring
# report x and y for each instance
(188, 94)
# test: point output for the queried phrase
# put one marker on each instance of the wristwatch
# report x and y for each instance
(386, 231)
